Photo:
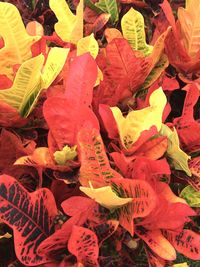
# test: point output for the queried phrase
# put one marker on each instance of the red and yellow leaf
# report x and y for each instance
(157, 242)
(185, 242)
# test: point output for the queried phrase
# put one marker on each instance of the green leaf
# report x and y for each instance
(156, 72)
(133, 30)
(29, 80)
(179, 159)
(26, 84)
(110, 7)
(191, 196)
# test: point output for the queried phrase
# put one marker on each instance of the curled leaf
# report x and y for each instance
(137, 121)
(106, 197)
(179, 157)
(69, 26)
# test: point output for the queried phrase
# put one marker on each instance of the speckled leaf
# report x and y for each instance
(30, 215)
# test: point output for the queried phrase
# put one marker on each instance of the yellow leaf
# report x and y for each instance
(54, 64)
(133, 30)
(69, 26)
(29, 80)
(105, 197)
(179, 157)
(131, 126)
(18, 43)
(88, 44)
(7, 235)
(67, 153)
(181, 265)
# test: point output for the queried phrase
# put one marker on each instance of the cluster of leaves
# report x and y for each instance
(99, 133)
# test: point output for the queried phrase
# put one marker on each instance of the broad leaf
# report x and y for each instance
(110, 7)
(137, 121)
(125, 71)
(143, 200)
(191, 196)
(29, 81)
(83, 243)
(178, 157)
(95, 167)
(156, 71)
(189, 22)
(88, 44)
(17, 42)
(157, 242)
(26, 84)
(30, 215)
(133, 30)
(53, 66)
(106, 197)
(69, 26)
(66, 109)
(185, 242)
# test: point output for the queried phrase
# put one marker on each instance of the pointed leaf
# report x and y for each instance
(69, 26)
(54, 64)
(110, 7)
(106, 197)
(143, 200)
(186, 242)
(137, 121)
(133, 30)
(83, 244)
(26, 84)
(189, 22)
(88, 44)
(95, 166)
(157, 242)
(179, 157)
(30, 215)
(17, 42)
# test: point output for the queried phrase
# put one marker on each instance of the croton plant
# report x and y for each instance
(99, 133)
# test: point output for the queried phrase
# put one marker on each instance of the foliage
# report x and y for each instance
(99, 133)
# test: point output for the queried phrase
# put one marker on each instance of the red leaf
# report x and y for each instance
(186, 124)
(30, 215)
(83, 244)
(153, 259)
(66, 109)
(157, 242)
(10, 117)
(11, 148)
(126, 70)
(186, 242)
(153, 148)
(83, 204)
(144, 200)
(5, 82)
(95, 165)
(108, 121)
(58, 240)
(81, 80)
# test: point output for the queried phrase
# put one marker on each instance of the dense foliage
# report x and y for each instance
(99, 133)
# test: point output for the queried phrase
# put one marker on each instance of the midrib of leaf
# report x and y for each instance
(12, 36)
